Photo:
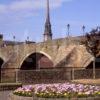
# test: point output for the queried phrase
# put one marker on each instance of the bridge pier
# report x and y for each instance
(8, 75)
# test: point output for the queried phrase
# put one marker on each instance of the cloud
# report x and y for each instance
(18, 10)
(21, 5)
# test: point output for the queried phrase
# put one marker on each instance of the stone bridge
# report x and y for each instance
(56, 51)
(52, 54)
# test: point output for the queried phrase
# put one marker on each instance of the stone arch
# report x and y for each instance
(36, 60)
(97, 63)
(1, 63)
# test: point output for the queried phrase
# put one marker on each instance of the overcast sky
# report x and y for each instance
(24, 18)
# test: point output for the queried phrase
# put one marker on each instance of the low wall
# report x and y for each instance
(14, 97)
(9, 86)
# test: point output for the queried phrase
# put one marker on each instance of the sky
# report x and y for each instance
(23, 18)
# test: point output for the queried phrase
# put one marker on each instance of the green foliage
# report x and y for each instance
(9, 86)
(24, 93)
(92, 42)
(60, 90)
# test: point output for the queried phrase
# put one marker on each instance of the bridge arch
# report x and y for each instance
(36, 60)
(1, 63)
(97, 63)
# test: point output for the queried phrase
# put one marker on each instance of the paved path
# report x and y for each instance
(4, 95)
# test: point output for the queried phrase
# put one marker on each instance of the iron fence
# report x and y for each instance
(47, 75)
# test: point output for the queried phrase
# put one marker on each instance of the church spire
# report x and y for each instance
(47, 31)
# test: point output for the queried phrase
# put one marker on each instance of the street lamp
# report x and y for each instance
(27, 38)
(68, 29)
(14, 38)
(83, 28)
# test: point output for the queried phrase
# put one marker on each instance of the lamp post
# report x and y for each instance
(14, 41)
(68, 34)
(83, 28)
(14, 38)
(27, 38)
(68, 29)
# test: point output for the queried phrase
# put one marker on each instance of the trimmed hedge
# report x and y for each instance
(9, 86)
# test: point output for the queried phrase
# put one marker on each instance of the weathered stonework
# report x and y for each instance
(62, 53)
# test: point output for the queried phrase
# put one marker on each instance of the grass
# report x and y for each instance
(88, 81)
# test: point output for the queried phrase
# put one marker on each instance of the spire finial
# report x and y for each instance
(48, 16)
(47, 31)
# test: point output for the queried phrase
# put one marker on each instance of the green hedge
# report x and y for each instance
(9, 86)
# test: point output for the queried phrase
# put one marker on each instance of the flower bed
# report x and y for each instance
(59, 90)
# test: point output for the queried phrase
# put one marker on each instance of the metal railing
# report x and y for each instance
(60, 74)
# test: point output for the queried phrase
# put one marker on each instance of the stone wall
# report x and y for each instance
(14, 97)
(8, 75)
(14, 55)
